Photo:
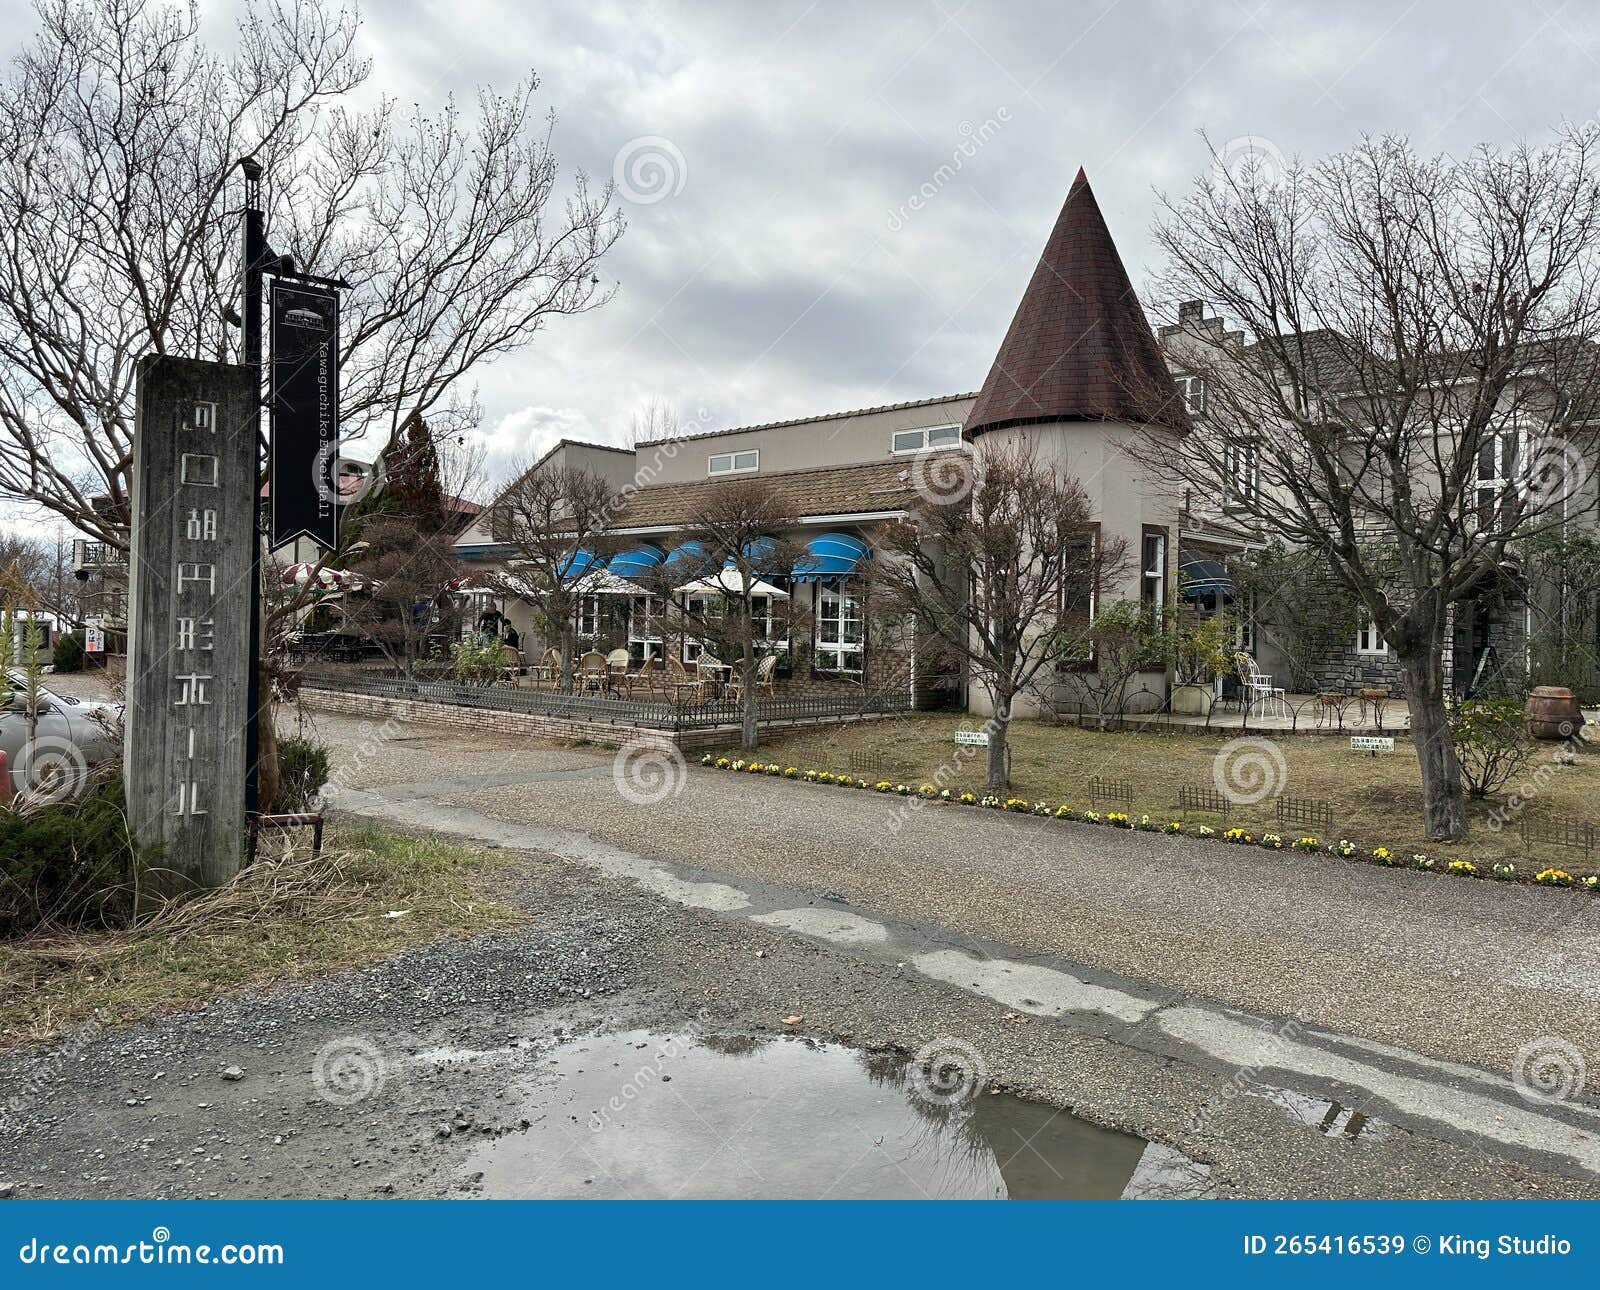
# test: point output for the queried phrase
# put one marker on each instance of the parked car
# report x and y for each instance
(72, 738)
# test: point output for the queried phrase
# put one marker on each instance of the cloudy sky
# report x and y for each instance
(793, 244)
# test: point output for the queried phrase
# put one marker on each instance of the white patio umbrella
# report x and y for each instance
(731, 581)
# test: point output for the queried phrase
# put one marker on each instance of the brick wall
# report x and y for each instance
(604, 733)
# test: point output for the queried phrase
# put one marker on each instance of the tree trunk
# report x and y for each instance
(1443, 804)
(749, 737)
(999, 729)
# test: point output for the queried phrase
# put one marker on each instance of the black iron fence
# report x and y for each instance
(608, 707)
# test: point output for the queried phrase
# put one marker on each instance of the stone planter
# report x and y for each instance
(1191, 700)
(1552, 713)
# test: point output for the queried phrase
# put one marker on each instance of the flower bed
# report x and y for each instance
(1343, 848)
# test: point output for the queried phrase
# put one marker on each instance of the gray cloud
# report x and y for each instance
(773, 283)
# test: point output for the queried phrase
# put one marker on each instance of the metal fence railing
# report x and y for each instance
(611, 708)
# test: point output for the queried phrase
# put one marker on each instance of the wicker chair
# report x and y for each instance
(593, 673)
(764, 685)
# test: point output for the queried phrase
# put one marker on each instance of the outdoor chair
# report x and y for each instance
(763, 680)
(1259, 689)
(647, 678)
(617, 661)
(593, 674)
(711, 671)
(679, 680)
(550, 666)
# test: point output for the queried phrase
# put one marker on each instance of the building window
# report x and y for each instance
(1153, 575)
(644, 630)
(1079, 598)
(1241, 472)
(1497, 460)
(1367, 639)
(927, 437)
(733, 463)
(1193, 390)
(588, 622)
(841, 630)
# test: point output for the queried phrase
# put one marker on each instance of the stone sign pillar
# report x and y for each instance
(195, 476)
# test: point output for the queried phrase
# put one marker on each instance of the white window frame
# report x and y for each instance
(1368, 642)
(1241, 472)
(922, 443)
(1193, 389)
(586, 615)
(832, 648)
(1153, 573)
(641, 614)
(1491, 493)
(727, 463)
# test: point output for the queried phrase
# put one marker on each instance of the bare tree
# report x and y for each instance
(655, 421)
(1003, 578)
(549, 516)
(119, 133)
(1414, 395)
(736, 552)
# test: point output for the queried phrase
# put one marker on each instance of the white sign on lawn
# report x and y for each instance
(1371, 743)
(973, 738)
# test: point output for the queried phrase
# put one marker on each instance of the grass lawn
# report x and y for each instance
(284, 920)
(1376, 801)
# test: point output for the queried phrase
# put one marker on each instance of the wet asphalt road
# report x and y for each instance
(634, 929)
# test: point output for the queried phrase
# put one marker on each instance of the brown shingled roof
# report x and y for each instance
(830, 490)
(1079, 347)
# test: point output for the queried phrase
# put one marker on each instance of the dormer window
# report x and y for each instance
(733, 463)
(927, 437)
(1193, 389)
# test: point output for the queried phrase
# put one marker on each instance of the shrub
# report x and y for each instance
(67, 862)
(67, 653)
(478, 662)
(1491, 743)
(302, 772)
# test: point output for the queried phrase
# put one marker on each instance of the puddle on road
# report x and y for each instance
(647, 1115)
(1330, 1119)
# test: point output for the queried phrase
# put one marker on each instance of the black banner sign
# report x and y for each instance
(304, 358)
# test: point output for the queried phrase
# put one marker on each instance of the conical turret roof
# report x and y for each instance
(1079, 348)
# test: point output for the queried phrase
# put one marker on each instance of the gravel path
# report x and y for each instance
(1456, 969)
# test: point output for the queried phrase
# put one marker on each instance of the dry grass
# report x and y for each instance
(286, 918)
(1375, 800)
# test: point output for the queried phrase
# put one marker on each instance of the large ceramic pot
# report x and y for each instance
(1191, 700)
(1552, 713)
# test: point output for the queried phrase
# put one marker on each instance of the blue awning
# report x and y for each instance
(829, 556)
(638, 562)
(579, 563)
(690, 550)
(759, 551)
(1202, 579)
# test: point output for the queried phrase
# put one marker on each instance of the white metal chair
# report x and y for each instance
(1259, 689)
